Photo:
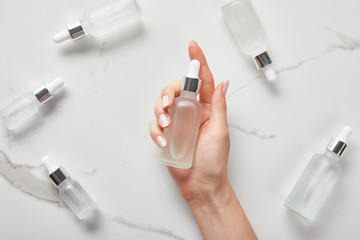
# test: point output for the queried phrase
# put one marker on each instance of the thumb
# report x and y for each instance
(218, 116)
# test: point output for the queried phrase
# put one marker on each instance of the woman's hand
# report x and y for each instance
(209, 170)
(205, 185)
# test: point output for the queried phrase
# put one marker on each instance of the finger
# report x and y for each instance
(157, 134)
(169, 93)
(207, 85)
(218, 116)
(161, 114)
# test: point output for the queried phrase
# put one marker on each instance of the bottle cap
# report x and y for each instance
(46, 91)
(194, 69)
(56, 173)
(191, 81)
(73, 31)
(62, 36)
(270, 73)
(49, 164)
(54, 85)
(338, 145)
(263, 62)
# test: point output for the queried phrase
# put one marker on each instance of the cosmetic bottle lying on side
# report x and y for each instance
(318, 178)
(29, 104)
(106, 17)
(70, 190)
(249, 34)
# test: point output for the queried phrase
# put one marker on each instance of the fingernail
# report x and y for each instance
(165, 101)
(163, 120)
(225, 87)
(161, 141)
(192, 42)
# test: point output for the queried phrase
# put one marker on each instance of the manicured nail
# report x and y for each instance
(165, 101)
(192, 42)
(161, 141)
(163, 120)
(225, 87)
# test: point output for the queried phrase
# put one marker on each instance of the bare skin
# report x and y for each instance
(205, 186)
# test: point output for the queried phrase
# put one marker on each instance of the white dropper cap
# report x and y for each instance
(270, 73)
(62, 36)
(338, 145)
(49, 164)
(54, 85)
(194, 69)
(344, 134)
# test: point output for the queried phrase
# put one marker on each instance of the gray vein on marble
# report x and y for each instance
(22, 177)
(88, 173)
(345, 43)
(147, 228)
(244, 86)
(102, 55)
(255, 133)
(106, 65)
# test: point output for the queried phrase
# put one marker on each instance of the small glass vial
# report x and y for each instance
(28, 104)
(70, 190)
(102, 19)
(249, 33)
(318, 178)
(185, 117)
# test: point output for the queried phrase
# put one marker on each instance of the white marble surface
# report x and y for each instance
(98, 127)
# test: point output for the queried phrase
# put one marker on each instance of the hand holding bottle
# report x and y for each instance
(205, 186)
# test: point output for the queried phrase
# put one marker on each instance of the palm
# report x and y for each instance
(210, 161)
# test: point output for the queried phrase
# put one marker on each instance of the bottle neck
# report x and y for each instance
(76, 30)
(188, 94)
(332, 155)
(42, 94)
(64, 182)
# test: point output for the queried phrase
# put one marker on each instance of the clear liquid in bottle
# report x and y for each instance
(318, 179)
(185, 115)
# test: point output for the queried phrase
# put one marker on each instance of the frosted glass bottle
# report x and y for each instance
(318, 179)
(70, 190)
(28, 104)
(102, 19)
(249, 33)
(185, 115)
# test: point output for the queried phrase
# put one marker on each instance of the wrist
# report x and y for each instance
(214, 199)
(219, 215)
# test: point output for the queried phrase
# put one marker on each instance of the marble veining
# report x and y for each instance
(255, 133)
(157, 48)
(89, 172)
(345, 43)
(145, 227)
(23, 177)
(248, 83)
(103, 57)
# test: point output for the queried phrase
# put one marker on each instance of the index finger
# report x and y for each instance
(207, 85)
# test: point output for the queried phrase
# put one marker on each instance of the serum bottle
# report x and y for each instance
(249, 34)
(318, 178)
(28, 104)
(185, 117)
(102, 19)
(70, 190)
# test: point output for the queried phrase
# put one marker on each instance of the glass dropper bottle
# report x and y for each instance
(102, 19)
(27, 105)
(249, 34)
(318, 178)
